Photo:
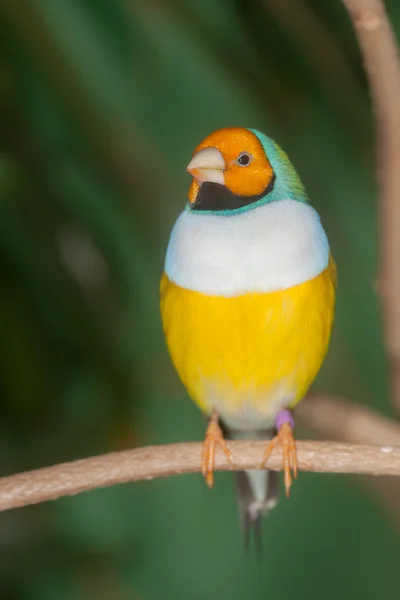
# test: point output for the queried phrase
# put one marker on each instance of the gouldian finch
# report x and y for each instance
(247, 302)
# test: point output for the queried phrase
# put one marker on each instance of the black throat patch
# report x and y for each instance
(214, 196)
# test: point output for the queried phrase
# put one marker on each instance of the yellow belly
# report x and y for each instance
(250, 355)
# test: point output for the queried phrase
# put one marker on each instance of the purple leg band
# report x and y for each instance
(284, 416)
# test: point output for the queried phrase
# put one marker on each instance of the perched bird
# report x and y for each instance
(247, 301)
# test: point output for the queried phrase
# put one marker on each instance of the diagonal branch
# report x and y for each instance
(351, 422)
(339, 419)
(381, 61)
(161, 461)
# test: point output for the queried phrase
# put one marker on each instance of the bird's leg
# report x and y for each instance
(284, 426)
(214, 437)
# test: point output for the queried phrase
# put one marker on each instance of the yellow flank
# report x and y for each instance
(253, 353)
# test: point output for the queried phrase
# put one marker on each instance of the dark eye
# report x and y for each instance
(244, 159)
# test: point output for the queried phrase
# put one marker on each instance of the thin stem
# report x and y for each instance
(382, 64)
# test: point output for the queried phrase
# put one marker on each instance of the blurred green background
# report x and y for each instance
(102, 104)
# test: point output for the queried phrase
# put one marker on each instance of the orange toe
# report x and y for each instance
(214, 437)
(284, 437)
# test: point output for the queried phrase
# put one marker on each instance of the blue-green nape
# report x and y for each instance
(287, 184)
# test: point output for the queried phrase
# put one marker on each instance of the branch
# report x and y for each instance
(339, 419)
(381, 60)
(161, 461)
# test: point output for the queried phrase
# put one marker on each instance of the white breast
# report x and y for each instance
(272, 247)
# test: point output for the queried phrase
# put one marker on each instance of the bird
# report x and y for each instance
(247, 300)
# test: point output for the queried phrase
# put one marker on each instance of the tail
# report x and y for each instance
(257, 490)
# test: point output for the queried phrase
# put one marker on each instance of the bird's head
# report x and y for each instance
(236, 169)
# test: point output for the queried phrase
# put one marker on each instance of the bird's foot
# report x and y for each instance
(284, 425)
(214, 437)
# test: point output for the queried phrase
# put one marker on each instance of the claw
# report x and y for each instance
(214, 437)
(289, 454)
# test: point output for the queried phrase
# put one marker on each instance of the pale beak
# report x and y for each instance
(208, 165)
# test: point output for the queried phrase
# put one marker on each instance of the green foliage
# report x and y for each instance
(102, 104)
